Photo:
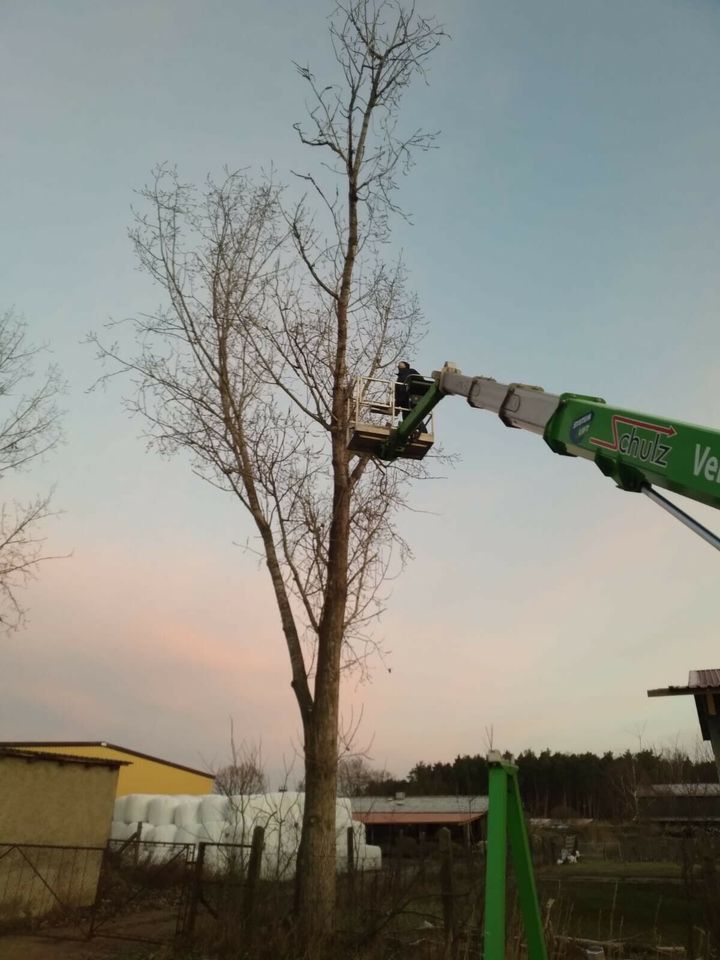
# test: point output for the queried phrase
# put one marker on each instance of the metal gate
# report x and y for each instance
(49, 885)
(143, 891)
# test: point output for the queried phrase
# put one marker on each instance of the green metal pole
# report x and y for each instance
(495, 869)
(400, 438)
(524, 878)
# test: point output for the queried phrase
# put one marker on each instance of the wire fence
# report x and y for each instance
(40, 880)
(217, 897)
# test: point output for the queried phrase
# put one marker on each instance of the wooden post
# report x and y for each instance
(446, 888)
(253, 875)
(196, 890)
(351, 859)
(138, 834)
(350, 850)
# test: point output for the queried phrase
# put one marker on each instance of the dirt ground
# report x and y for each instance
(49, 948)
(66, 943)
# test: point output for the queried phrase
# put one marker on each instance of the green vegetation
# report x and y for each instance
(648, 912)
(612, 869)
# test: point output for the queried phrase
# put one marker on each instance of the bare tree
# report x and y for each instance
(29, 428)
(245, 774)
(355, 774)
(272, 311)
(243, 777)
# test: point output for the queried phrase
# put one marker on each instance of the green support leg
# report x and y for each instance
(495, 869)
(524, 876)
(506, 822)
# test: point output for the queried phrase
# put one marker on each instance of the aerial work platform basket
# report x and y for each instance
(374, 418)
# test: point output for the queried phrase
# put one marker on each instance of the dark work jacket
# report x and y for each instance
(401, 394)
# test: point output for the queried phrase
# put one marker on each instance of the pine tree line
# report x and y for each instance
(557, 784)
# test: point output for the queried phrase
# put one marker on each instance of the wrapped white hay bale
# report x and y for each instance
(119, 830)
(135, 809)
(146, 831)
(216, 853)
(142, 835)
(214, 831)
(201, 832)
(279, 855)
(164, 833)
(159, 845)
(161, 810)
(341, 837)
(227, 824)
(242, 820)
(184, 835)
(186, 812)
(370, 858)
(119, 809)
(212, 834)
(213, 807)
(341, 832)
(343, 812)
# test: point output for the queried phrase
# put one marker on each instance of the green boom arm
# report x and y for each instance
(637, 450)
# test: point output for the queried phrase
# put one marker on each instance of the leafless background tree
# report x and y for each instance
(273, 307)
(355, 774)
(29, 428)
(245, 773)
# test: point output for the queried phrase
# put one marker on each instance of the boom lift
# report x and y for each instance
(638, 451)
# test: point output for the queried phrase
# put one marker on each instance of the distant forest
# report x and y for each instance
(556, 784)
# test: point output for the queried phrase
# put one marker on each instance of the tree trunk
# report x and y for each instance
(315, 887)
(316, 864)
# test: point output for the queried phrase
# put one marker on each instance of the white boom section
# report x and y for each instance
(517, 404)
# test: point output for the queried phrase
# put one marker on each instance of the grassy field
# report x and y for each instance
(646, 902)
(613, 869)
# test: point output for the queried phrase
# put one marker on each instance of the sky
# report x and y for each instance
(565, 232)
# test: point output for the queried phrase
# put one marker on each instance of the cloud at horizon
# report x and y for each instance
(160, 650)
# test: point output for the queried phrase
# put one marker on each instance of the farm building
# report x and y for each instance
(676, 803)
(704, 687)
(55, 816)
(139, 772)
(418, 819)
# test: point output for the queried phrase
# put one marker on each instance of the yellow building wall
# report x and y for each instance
(143, 775)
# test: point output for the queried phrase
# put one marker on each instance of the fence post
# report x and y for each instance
(196, 890)
(99, 890)
(351, 854)
(137, 835)
(446, 887)
(253, 875)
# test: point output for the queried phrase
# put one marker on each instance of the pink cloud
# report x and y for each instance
(158, 648)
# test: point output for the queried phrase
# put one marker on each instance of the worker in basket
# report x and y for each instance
(404, 400)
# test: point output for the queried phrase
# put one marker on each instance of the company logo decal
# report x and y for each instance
(643, 440)
(580, 427)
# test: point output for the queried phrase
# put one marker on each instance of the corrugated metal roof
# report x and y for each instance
(407, 817)
(704, 678)
(467, 806)
(692, 790)
(699, 681)
(39, 744)
(35, 755)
